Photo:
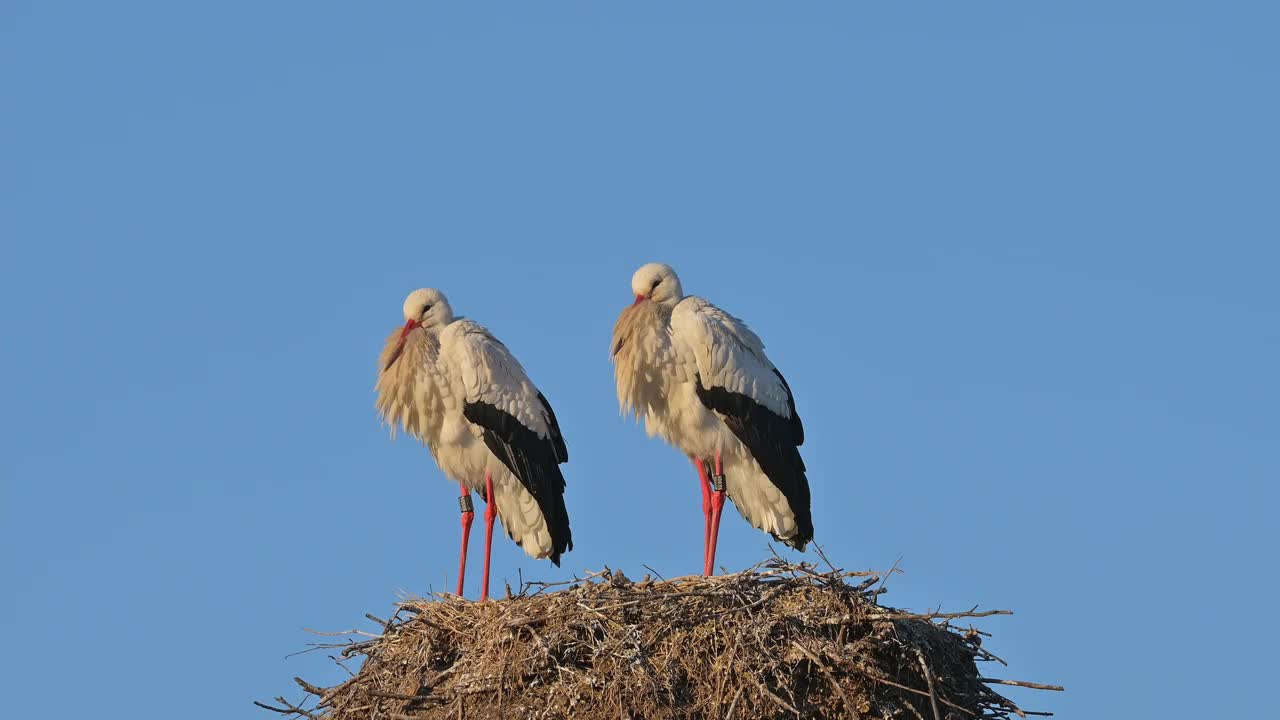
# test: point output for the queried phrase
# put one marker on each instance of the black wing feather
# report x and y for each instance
(533, 460)
(774, 443)
(797, 427)
(562, 452)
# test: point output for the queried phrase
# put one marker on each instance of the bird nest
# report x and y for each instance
(778, 640)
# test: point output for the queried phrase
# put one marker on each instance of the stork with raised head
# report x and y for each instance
(700, 379)
(450, 383)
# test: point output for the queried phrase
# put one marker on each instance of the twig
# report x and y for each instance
(781, 703)
(1021, 683)
(928, 678)
(289, 708)
(887, 575)
(318, 692)
(988, 655)
(729, 715)
(831, 677)
(341, 633)
(763, 599)
(393, 696)
(354, 648)
(938, 616)
(387, 625)
(914, 711)
(339, 662)
(865, 584)
(818, 549)
(921, 693)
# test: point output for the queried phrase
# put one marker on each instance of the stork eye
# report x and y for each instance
(425, 309)
(654, 286)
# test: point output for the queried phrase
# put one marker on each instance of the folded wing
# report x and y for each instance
(737, 381)
(519, 426)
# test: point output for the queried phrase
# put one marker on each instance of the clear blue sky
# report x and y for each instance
(1018, 259)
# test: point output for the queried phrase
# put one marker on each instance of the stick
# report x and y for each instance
(318, 692)
(397, 696)
(341, 633)
(781, 703)
(945, 701)
(928, 678)
(938, 616)
(831, 677)
(289, 708)
(1021, 683)
(885, 579)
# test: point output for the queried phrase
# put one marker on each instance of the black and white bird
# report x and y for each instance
(450, 383)
(700, 379)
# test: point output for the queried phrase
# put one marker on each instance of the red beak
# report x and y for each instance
(639, 299)
(409, 327)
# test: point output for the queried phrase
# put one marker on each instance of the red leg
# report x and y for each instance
(705, 483)
(717, 505)
(468, 514)
(490, 513)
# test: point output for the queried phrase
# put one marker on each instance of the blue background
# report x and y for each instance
(1018, 260)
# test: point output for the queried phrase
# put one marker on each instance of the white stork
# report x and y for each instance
(699, 378)
(450, 383)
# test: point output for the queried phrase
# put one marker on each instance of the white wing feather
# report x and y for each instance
(491, 374)
(728, 354)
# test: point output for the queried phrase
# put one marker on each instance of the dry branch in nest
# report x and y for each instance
(779, 640)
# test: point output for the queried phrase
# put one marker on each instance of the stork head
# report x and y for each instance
(657, 282)
(427, 308)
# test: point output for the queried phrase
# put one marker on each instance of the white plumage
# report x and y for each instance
(451, 383)
(489, 373)
(728, 354)
(700, 379)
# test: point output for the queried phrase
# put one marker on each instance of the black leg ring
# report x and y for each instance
(464, 503)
